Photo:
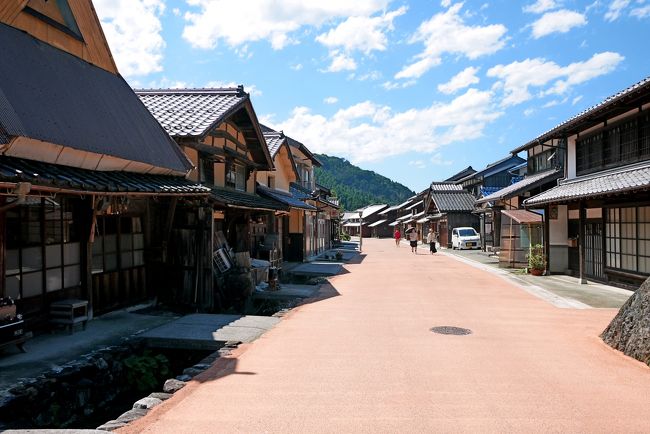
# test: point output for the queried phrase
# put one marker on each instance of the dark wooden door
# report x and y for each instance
(594, 250)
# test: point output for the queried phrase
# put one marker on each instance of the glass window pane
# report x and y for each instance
(138, 258)
(644, 265)
(110, 243)
(126, 242)
(98, 246)
(72, 276)
(111, 262)
(12, 287)
(98, 264)
(53, 255)
(53, 280)
(127, 260)
(32, 284)
(12, 262)
(32, 259)
(71, 253)
(138, 241)
(137, 225)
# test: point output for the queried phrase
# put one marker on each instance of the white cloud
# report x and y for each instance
(176, 12)
(446, 32)
(540, 6)
(340, 62)
(555, 102)
(459, 81)
(560, 21)
(516, 79)
(276, 21)
(576, 100)
(372, 76)
(437, 160)
(420, 164)
(445, 3)
(615, 9)
(331, 100)
(250, 88)
(166, 83)
(529, 111)
(133, 30)
(372, 132)
(361, 33)
(392, 85)
(641, 12)
(296, 67)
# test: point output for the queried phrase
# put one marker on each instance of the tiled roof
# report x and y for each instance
(300, 192)
(371, 209)
(274, 141)
(611, 182)
(640, 88)
(240, 199)
(502, 165)
(463, 173)
(395, 207)
(413, 205)
(350, 215)
(41, 174)
(296, 144)
(377, 223)
(191, 112)
(283, 197)
(49, 95)
(528, 183)
(453, 201)
(523, 216)
(486, 191)
(445, 186)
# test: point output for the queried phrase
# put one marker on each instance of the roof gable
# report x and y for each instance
(51, 96)
(194, 113)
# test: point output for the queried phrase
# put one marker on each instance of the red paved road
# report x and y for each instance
(365, 361)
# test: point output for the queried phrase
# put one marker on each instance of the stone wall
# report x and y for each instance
(629, 331)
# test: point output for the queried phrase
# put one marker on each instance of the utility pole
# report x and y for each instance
(360, 230)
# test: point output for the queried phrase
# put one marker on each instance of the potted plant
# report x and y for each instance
(536, 260)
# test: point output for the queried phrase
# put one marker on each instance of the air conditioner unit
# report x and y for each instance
(221, 261)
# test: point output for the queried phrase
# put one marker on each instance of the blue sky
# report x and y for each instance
(414, 90)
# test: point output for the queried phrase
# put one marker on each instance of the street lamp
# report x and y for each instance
(360, 230)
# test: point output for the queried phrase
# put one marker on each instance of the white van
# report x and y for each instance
(465, 238)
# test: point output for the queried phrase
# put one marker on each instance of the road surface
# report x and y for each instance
(364, 360)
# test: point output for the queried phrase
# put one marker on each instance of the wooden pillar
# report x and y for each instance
(547, 239)
(3, 247)
(581, 241)
(89, 224)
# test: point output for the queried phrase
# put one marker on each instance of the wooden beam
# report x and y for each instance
(581, 241)
(221, 134)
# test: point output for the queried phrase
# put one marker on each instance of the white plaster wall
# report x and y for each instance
(571, 157)
(559, 228)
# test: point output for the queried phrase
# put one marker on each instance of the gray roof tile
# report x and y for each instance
(528, 183)
(453, 201)
(445, 186)
(191, 112)
(273, 140)
(616, 181)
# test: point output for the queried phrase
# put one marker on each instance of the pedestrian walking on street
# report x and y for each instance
(398, 236)
(413, 238)
(431, 239)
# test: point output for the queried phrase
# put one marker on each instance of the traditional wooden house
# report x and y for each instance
(493, 178)
(544, 166)
(365, 221)
(219, 132)
(85, 170)
(448, 206)
(460, 175)
(599, 214)
(276, 185)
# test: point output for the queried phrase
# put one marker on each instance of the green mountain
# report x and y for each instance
(356, 187)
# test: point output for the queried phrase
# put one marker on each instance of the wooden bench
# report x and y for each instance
(69, 313)
(13, 334)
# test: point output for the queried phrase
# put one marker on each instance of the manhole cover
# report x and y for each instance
(448, 330)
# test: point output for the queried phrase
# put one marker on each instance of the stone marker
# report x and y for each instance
(629, 331)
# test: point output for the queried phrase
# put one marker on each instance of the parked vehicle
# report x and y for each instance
(465, 238)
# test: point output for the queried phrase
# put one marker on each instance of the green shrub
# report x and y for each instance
(345, 237)
(536, 259)
(145, 372)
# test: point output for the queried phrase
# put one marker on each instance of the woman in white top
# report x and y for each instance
(431, 239)
(413, 238)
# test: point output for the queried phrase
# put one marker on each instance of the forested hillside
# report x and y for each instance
(356, 187)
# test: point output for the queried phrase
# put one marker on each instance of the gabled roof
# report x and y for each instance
(523, 216)
(377, 223)
(53, 178)
(296, 144)
(502, 165)
(453, 201)
(49, 95)
(194, 113)
(620, 102)
(300, 192)
(239, 199)
(445, 186)
(460, 175)
(276, 140)
(284, 197)
(397, 207)
(371, 209)
(610, 182)
(526, 184)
